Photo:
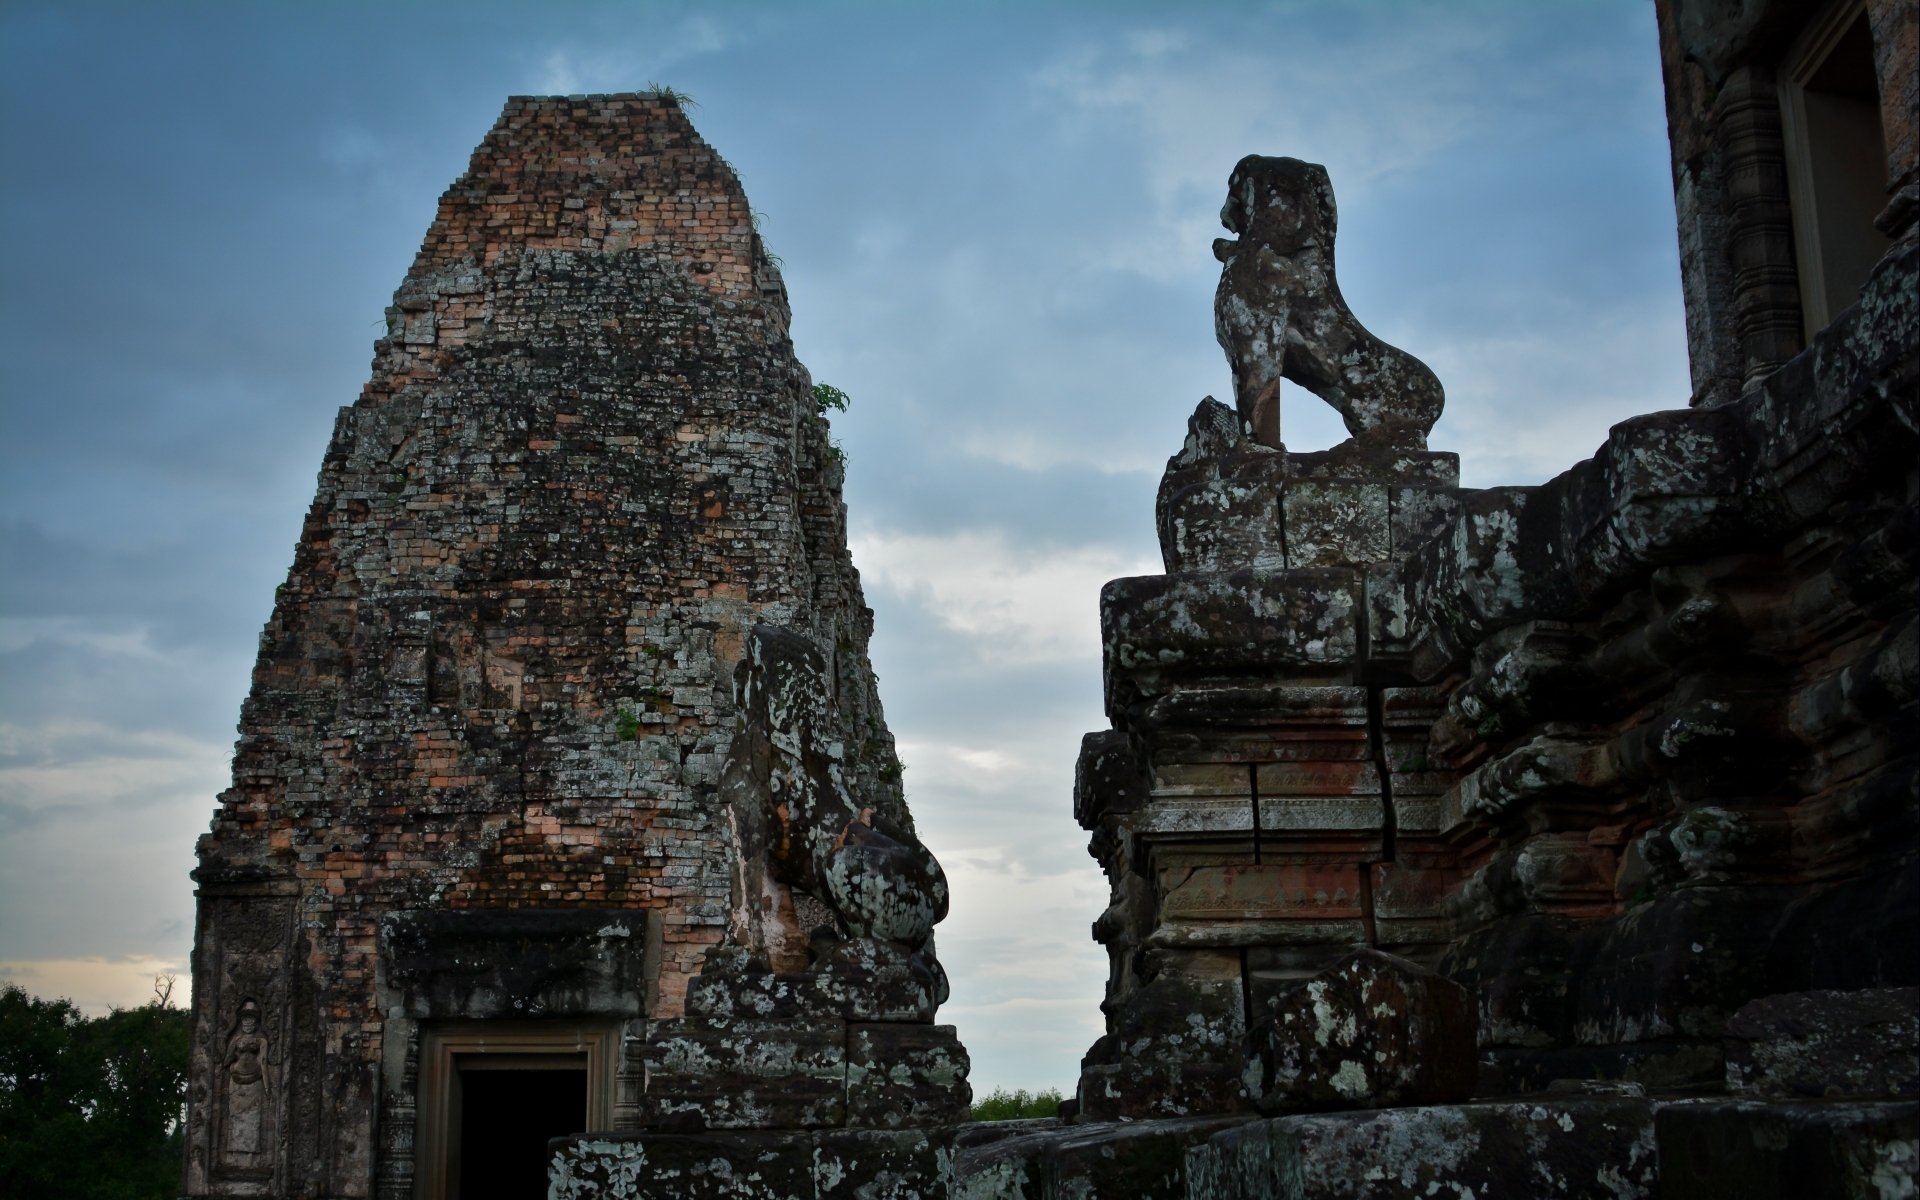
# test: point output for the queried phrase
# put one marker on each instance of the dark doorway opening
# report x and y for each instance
(506, 1107)
(1836, 163)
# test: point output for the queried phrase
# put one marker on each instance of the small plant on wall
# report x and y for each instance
(828, 398)
(627, 725)
(661, 91)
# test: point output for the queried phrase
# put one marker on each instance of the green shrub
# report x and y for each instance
(1002, 1105)
(627, 724)
(826, 396)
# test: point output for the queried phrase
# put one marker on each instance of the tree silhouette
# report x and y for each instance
(91, 1107)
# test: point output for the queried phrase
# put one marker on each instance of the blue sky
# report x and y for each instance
(995, 221)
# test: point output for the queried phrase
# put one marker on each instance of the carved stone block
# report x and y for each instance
(517, 963)
(1239, 621)
(1224, 521)
(1175, 1047)
(666, 1166)
(1601, 1146)
(905, 1075)
(1257, 891)
(851, 980)
(882, 1163)
(1372, 1031)
(1761, 1151)
(1824, 1044)
(720, 1073)
(1335, 524)
(1107, 778)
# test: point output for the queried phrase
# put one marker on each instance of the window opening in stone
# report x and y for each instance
(1836, 162)
(504, 1109)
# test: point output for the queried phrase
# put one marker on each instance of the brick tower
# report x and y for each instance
(491, 807)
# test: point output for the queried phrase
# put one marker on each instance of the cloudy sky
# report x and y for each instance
(995, 221)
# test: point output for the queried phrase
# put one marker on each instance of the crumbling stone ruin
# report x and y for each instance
(563, 798)
(1533, 841)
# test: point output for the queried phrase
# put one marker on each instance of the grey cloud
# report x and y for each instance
(18, 819)
(192, 693)
(195, 581)
(919, 489)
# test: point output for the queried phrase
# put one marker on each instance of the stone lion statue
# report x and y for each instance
(1279, 315)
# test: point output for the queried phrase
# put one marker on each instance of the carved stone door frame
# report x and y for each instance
(1833, 208)
(595, 1044)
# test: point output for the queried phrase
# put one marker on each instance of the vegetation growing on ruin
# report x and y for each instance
(1020, 1105)
(827, 397)
(91, 1107)
(661, 91)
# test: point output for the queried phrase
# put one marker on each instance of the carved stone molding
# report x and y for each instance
(1766, 287)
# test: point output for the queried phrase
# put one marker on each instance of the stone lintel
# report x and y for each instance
(1270, 708)
(1240, 934)
(1237, 622)
(489, 963)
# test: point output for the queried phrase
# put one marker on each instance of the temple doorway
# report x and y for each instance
(492, 1094)
(508, 1106)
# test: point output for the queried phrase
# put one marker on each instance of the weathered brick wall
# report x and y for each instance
(500, 672)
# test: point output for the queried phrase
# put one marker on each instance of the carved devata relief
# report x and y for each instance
(1278, 314)
(237, 1086)
(244, 1095)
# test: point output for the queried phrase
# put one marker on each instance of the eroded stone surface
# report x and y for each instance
(1826, 1044)
(1585, 1148)
(905, 1075)
(573, 625)
(814, 1010)
(866, 1164)
(1751, 1150)
(1372, 1031)
(1631, 747)
(1047, 1161)
(725, 1073)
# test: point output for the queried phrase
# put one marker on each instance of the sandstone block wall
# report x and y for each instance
(565, 712)
(1622, 751)
(1724, 68)
(1633, 755)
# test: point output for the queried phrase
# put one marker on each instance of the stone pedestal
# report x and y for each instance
(1263, 803)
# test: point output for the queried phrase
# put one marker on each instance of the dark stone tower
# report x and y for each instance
(490, 809)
